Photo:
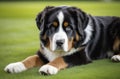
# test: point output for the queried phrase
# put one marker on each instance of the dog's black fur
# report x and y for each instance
(105, 31)
(88, 38)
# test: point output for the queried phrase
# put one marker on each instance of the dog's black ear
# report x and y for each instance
(40, 19)
(81, 21)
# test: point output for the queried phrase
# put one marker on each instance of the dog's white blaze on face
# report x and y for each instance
(60, 34)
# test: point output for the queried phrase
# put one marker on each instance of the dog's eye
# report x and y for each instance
(55, 24)
(66, 24)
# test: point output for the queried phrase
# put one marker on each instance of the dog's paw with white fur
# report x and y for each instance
(48, 70)
(15, 67)
(116, 58)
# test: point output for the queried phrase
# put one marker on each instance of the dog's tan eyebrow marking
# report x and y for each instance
(66, 24)
(55, 24)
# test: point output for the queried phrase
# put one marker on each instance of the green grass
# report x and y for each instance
(19, 39)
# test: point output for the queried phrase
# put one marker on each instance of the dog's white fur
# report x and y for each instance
(48, 69)
(88, 31)
(15, 67)
(60, 34)
(116, 58)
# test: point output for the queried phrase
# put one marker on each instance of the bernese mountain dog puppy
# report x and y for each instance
(71, 37)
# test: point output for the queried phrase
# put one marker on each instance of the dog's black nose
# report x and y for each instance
(60, 42)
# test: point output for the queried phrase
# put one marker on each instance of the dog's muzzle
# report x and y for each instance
(59, 42)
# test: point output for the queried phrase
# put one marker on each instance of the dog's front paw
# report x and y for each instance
(15, 67)
(48, 70)
(116, 58)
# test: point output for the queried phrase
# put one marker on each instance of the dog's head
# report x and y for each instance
(62, 28)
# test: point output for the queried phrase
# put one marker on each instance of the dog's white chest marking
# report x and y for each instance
(53, 55)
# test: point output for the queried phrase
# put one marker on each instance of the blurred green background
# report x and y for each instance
(19, 38)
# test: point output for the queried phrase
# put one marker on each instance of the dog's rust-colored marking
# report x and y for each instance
(70, 43)
(66, 24)
(32, 61)
(77, 37)
(55, 24)
(59, 63)
(116, 46)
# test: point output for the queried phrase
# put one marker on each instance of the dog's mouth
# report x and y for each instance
(59, 49)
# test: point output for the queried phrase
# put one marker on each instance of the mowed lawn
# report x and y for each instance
(19, 38)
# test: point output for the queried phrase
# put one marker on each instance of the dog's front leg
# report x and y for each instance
(63, 62)
(29, 62)
(53, 67)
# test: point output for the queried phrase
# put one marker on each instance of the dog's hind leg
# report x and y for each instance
(116, 49)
